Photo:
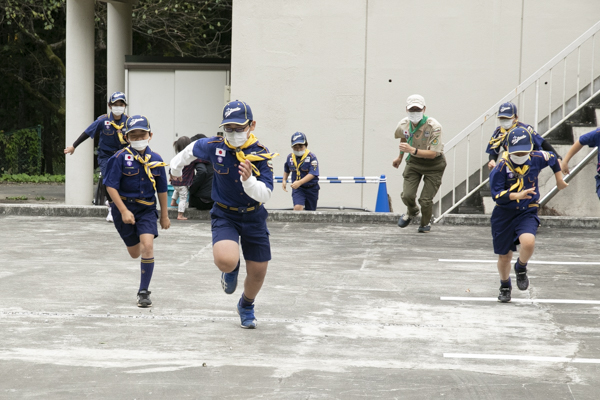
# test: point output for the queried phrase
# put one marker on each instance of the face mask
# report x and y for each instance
(506, 123)
(118, 110)
(236, 139)
(299, 153)
(519, 160)
(415, 117)
(140, 145)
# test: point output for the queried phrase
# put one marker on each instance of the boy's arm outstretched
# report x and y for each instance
(572, 151)
(181, 159)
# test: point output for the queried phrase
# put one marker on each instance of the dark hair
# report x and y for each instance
(181, 143)
(198, 136)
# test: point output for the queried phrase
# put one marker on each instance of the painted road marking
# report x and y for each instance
(530, 262)
(524, 358)
(494, 299)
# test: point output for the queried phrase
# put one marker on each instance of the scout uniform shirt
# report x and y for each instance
(227, 186)
(111, 136)
(427, 137)
(592, 139)
(507, 177)
(306, 165)
(132, 179)
(497, 144)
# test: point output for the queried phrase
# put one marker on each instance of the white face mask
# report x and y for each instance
(140, 145)
(236, 139)
(415, 117)
(519, 160)
(506, 123)
(299, 153)
(118, 110)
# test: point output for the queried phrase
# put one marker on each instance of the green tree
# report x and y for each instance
(32, 49)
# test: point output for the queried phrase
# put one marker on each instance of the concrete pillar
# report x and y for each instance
(118, 44)
(79, 100)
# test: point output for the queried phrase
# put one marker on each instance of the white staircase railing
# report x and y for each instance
(545, 100)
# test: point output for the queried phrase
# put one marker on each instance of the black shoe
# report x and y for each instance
(404, 220)
(144, 298)
(425, 229)
(504, 296)
(522, 279)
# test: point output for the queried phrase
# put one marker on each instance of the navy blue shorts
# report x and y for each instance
(250, 228)
(508, 225)
(145, 222)
(306, 196)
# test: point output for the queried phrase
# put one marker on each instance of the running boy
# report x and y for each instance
(305, 174)
(133, 176)
(242, 182)
(514, 220)
(110, 128)
(591, 139)
(508, 119)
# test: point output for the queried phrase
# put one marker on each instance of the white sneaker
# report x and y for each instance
(109, 217)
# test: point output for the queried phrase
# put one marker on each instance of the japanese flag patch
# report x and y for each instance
(128, 157)
(106, 123)
(220, 152)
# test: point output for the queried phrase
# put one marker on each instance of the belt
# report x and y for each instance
(240, 210)
(134, 200)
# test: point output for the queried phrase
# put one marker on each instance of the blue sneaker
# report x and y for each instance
(229, 280)
(247, 316)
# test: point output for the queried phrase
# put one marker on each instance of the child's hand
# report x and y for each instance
(564, 167)
(165, 222)
(561, 184)
(491, 164)
(284, 186)
(295, 185)
(245, 170)
(396, 162)
(176, 178)
(525, 194)
(128, 218)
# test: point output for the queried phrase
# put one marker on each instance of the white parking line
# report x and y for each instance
(524, 358)
(555, 301)
(530, 262)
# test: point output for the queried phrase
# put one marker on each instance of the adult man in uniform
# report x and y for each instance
(421, 137)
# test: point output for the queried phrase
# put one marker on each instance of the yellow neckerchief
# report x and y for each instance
(298, 164)
(147, 165)
(518, 171)
(118, 128)
(250, 157)
(497, 141)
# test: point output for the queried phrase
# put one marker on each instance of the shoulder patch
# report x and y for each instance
(103, 116)
(218, 139)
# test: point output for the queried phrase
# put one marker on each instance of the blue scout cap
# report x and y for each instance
(137, 122)
(519, 140)
(507, 110)
(236, 112)
(298, 138)
(116, 96)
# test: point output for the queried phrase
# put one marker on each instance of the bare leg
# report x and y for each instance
(504, 265)
(226, 254)
(255, 277)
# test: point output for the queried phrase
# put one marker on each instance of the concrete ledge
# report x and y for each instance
(337, 217)
(547, 221)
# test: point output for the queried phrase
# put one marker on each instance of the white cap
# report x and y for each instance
(415, 100)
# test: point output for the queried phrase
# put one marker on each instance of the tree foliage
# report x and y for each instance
(32, 49)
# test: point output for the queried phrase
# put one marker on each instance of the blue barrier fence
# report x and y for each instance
(381, 205)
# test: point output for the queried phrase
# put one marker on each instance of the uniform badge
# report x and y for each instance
(427, 133)
(406, 134)
(106, 123)
(129, 163)
(270, 163)
(435, 142)
(220, 152)
(314, 163)
(220, 159)
(128, 157)
(307, 159)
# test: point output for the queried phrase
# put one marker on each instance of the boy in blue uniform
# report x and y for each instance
(514, 219)
(110, 128)
(591, 139)
(133, 176)
(508, 118)
(305, 174)
(242, 183)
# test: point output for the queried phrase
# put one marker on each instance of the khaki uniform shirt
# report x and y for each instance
(427, 137)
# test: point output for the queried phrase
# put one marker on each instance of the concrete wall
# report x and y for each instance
(340, 71)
